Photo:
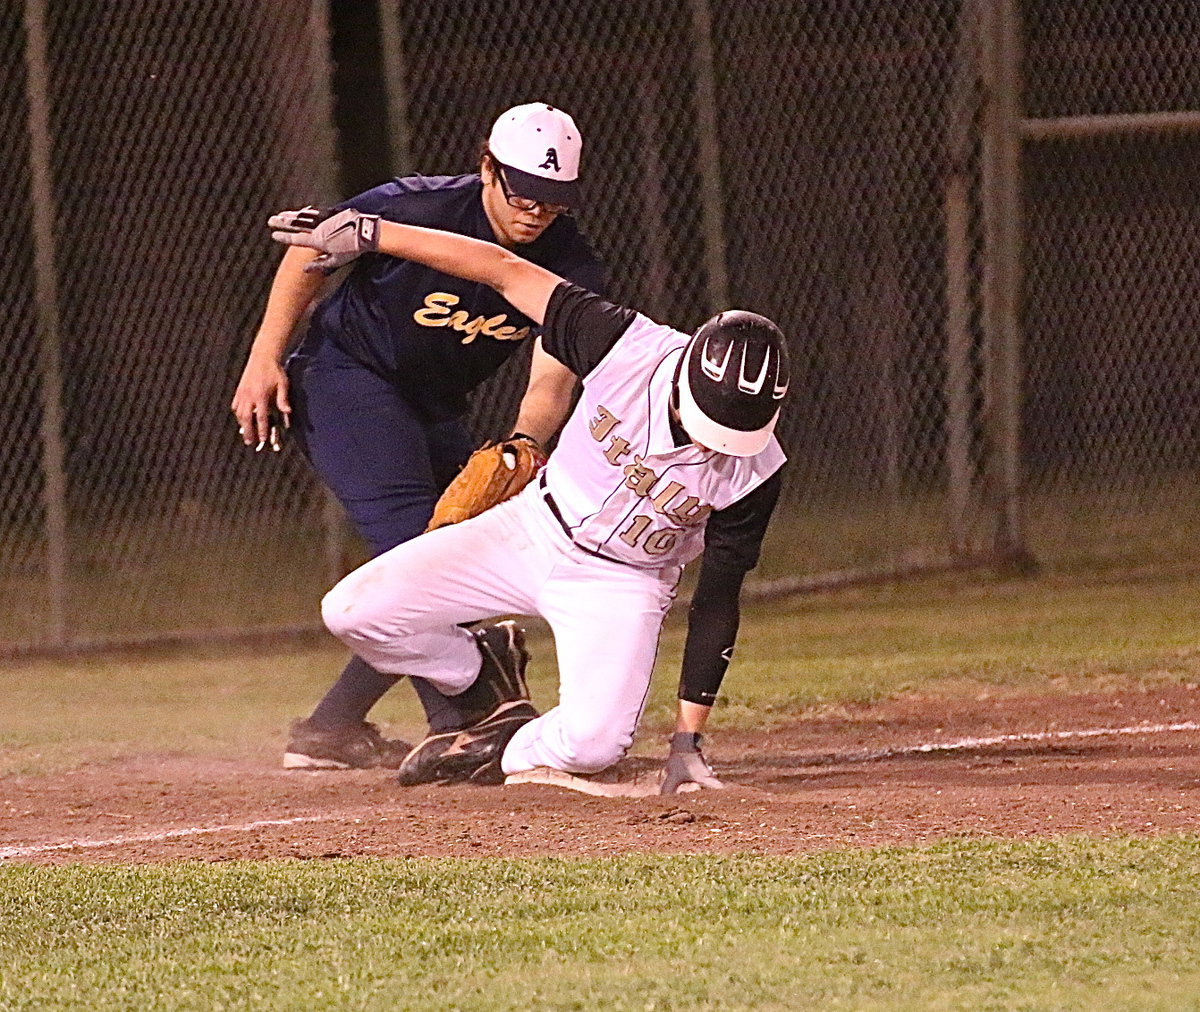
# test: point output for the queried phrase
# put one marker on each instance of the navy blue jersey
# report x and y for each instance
(435, 336)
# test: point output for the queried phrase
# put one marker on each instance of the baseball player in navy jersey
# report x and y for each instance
(376, 390)
(668, 455)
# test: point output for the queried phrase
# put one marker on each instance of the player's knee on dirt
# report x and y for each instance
(590, 748)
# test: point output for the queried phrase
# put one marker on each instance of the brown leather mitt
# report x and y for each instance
(493, 473)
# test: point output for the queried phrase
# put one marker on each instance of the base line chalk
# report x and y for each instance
(167, 834)
(837, 758)
(969, 744)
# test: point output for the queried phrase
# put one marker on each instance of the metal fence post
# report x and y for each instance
(325, 159)
(391, 41)
(654, 201)
(957, 209)
(44, 216)
(1002, 274)
(333, 519)
(711, 196)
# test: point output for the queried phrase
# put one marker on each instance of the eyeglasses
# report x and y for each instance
(525, 203)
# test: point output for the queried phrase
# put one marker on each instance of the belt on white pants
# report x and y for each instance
(557, 514)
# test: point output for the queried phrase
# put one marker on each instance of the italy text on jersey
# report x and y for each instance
(648, 512)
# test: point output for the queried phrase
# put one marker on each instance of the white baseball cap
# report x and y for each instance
(538, 147)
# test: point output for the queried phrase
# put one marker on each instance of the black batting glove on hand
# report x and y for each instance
(686, 765)
(340, 237)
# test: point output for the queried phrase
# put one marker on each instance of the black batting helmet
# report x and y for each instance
(732, 382)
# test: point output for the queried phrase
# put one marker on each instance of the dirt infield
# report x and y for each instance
(906, 771)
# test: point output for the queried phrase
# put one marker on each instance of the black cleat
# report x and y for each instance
(349, 746)
(472, 753)
(497, 701)
(501, 675)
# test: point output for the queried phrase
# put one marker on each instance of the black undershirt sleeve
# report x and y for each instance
(586, 273)
(732, 543)
(580, 327)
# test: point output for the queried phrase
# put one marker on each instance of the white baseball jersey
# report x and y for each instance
(623, 488)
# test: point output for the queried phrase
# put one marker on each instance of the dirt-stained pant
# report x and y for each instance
(401, 613)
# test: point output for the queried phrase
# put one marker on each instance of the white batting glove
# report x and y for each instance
(687, 769)
(340, 237)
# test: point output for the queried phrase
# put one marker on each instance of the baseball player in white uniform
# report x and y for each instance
(669, 454)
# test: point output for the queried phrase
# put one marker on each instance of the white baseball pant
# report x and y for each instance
(401, 611)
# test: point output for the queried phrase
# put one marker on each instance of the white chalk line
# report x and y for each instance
(957, 745)
(168, 834)
(968, 744)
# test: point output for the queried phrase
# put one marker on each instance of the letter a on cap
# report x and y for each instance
(539, 148)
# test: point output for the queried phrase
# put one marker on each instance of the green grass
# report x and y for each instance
(181, 567)
(952, 635)
(159, 565)
(1071, 523)
(1069, 923)
(200, 702)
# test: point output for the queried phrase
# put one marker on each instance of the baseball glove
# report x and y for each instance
(493, 473)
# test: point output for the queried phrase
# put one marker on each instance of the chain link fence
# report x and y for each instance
(1112, 321)
(22, 485)
(150, 141)
(846, 167)
(789, 158)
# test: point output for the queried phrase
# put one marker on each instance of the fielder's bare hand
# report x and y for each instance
(260, 403)
(686, 766)
(340, 237)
